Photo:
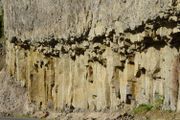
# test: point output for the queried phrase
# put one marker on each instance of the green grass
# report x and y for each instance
(158, 102)
(156, 105)
(142, 108)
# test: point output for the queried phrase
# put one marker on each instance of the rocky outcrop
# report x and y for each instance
(94, 55)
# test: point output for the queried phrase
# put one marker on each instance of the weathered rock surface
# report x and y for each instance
(94, 55)
(13, 98)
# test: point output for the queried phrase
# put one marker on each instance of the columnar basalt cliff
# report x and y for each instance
(94, 54)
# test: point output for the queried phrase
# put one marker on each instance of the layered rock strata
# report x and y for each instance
(94, 55)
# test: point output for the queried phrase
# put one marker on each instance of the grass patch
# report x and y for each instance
(143, 108)
(158, 102)
(156, 105)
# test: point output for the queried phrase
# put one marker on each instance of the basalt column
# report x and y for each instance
(94, 55)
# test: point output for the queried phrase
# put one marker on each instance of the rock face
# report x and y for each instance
(12, 96)
(94, 55)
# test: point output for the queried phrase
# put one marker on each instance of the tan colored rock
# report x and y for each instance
(93, 55)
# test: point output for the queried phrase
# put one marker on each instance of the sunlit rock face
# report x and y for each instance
(94, 55)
